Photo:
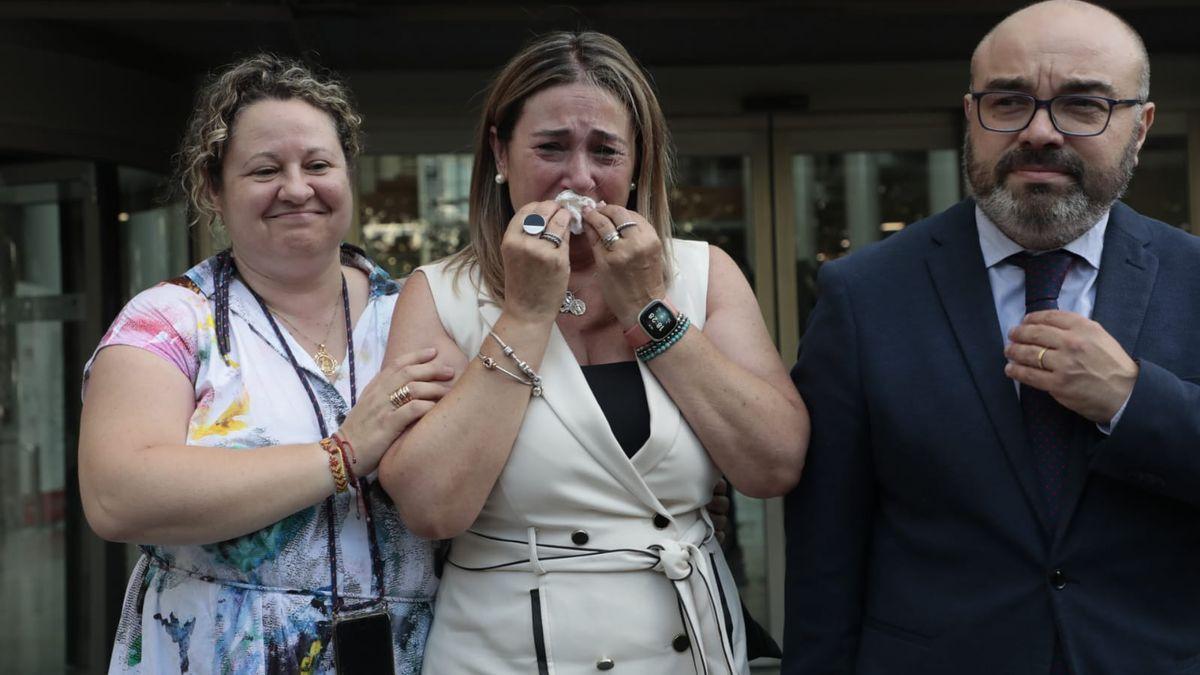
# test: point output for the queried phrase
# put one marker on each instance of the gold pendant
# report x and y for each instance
(326, 362)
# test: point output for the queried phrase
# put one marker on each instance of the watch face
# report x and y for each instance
(657, 320)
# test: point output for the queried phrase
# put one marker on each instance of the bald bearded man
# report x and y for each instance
(1004, 472)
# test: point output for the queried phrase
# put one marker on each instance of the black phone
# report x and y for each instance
(362, 645)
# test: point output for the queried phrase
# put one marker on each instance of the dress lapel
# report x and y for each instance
(1127, 274)
(960, 277)
(565, 390)
(665, 423)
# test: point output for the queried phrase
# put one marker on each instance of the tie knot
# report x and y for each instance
(1044, 276)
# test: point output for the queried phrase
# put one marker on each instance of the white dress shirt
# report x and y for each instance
(1007, 279)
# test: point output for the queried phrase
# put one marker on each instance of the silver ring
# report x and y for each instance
(623, 226)
(552, 238)
(534, 225)
(610, 240)
(400, 397)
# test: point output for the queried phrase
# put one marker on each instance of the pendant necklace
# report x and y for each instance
(572, 305)
(324, 360)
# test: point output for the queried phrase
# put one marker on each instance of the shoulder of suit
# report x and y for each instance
(1164, 239)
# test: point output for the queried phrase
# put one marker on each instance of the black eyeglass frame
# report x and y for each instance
(1039, 103)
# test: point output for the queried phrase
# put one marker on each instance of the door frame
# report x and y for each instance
(91, 294)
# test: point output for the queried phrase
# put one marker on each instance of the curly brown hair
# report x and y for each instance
(228, 91)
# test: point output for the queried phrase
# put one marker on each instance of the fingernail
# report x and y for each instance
(601, 203)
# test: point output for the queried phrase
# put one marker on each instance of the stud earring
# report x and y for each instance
(633, 187)
(500, 179)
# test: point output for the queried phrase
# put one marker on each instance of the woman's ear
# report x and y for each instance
(499, 151)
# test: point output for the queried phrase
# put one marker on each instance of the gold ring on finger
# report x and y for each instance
(400, 397)
(627, 225)
(1042, 355)
(610, 240)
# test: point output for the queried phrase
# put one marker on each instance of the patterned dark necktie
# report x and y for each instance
(1048, 425)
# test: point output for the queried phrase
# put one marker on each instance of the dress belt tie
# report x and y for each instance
(682, 561)
(694, 579)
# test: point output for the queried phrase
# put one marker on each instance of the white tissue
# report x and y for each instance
(574, 204)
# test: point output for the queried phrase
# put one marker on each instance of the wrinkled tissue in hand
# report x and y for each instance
(574, 204)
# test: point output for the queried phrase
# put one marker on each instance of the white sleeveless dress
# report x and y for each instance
(582, 558)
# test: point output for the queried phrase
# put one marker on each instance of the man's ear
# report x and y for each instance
(1147, 119)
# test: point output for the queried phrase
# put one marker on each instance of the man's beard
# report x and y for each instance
(1042, 217)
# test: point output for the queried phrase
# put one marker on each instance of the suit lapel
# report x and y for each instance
(1127, 274)
(960, 277)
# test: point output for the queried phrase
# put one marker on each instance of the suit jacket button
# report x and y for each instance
(605, 664)
(1058, 579)
(681, 643)
(661, 521)
(579, 537)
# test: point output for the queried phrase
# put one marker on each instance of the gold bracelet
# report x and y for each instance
(337, 466)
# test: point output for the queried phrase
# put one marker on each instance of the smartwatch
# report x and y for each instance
(654, 323)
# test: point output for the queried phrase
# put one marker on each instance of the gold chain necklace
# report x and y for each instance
(324, 360)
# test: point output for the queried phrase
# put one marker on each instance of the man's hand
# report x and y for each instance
(1075, 360)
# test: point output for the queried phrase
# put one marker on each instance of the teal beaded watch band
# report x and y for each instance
(656, 349)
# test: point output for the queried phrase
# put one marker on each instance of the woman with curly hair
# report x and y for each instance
(234, 417)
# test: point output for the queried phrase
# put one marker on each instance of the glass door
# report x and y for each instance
(722, 195)
(847, 181)
(51, 303)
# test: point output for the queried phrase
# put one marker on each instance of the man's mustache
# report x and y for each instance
(1055, 159)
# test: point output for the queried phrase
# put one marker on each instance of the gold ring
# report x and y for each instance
(1041, 354)
(400, 397)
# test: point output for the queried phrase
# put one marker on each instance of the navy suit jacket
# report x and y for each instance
(918, 538)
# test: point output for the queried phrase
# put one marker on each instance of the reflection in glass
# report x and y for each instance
(154, 234)
(32, 424)
(711, 201)
(845, 201)
(413, 208)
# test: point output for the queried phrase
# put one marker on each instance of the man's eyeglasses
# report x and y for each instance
(1072, 114)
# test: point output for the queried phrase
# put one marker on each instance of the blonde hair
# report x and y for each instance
(230, 90)
(553, 60)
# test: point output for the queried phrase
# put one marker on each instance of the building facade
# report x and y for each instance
(803, 130)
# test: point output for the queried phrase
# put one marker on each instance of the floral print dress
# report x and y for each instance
(260, 603)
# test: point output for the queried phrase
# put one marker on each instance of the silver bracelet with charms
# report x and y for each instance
(530, 379)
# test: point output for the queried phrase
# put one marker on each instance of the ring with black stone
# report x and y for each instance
(534, 225)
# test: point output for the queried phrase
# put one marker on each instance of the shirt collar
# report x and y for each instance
(996, 246)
